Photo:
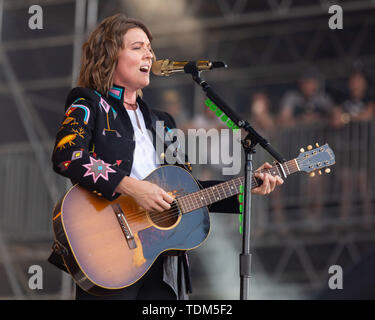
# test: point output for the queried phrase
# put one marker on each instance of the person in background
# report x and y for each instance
(260, 113)
(171, 103)
(308, 106)
(265, 123)
(355, 110)
(207, 121)
(358, 105)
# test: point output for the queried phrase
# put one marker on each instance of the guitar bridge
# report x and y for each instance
(124, 226)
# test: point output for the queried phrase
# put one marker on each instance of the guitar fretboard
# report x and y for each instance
(221, 191)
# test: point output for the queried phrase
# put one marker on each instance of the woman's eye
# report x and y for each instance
(138, 48)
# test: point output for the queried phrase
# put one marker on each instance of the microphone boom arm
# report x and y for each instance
(254, 136)
(249, 143)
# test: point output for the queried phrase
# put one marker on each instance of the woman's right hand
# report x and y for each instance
(148, 195)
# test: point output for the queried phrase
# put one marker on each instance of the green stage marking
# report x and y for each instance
(240, 201)
(220, 114)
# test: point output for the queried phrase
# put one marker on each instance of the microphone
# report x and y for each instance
(167, 67)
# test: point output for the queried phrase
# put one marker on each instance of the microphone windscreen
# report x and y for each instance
(156, 67)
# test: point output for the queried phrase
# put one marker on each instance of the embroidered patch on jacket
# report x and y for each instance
(114, 113)
(97, 169)
(74, 107)
(79, 132)
(77, 155)
(106, 107)
(68, 139)
(64, 165)
(115, 92)
(104, 104)
(70, 120)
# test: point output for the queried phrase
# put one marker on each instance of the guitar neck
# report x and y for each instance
(221, 191)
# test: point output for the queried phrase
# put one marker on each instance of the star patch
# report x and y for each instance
(97, 169)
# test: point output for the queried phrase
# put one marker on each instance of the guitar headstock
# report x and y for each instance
(316, 159)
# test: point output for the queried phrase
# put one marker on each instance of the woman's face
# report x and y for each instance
(134, 61)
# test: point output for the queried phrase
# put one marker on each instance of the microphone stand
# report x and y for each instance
(249, 143)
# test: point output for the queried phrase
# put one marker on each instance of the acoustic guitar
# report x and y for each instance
(109, 245)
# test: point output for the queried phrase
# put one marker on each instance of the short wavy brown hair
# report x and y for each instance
(100, 52)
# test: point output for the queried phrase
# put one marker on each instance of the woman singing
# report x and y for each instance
(104, 146)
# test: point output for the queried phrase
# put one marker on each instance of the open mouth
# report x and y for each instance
(144, 69)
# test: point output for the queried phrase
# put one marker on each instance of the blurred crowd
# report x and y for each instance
(309, 104)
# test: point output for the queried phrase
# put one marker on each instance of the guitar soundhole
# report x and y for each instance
(165, 219)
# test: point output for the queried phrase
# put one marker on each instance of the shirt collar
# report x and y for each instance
(117, 92)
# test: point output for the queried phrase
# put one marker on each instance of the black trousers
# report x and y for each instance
(150, 287)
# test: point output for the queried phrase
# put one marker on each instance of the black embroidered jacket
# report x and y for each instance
(94, 145)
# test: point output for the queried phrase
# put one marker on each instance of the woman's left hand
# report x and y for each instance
(269, 182)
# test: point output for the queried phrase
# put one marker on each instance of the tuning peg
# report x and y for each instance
(328, 170)
(320, 172)
(302, 150)
(312, 174)
(188, 164)
(309, 147)
(317, 145)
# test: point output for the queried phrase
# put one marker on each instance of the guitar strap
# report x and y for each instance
(181, 156)
(183, 264)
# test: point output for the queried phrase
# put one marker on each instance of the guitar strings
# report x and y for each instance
(175, 212)
(188, 197)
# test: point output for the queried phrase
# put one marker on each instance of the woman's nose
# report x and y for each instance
(148, 54)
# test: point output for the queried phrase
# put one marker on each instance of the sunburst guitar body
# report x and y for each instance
(109, 245)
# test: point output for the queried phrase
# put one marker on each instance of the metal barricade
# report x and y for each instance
(25, 205)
